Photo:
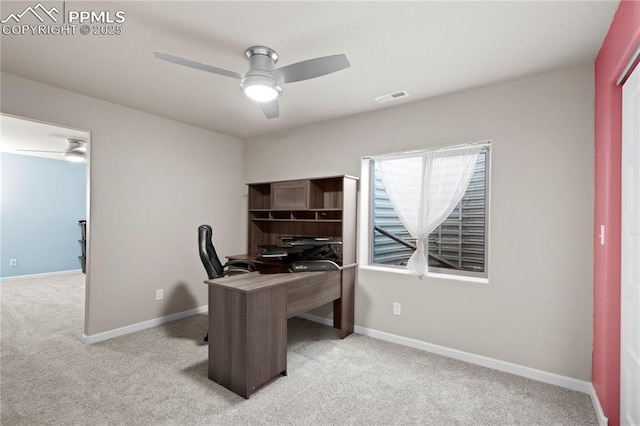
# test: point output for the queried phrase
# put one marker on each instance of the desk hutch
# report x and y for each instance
(323, 207)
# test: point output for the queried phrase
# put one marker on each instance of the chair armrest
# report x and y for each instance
(236, 271)
(249, 266)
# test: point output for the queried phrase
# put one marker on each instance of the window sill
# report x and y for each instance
(401, 271)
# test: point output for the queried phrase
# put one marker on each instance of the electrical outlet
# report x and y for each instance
(396, 308)
(13, 262)
(159, 294)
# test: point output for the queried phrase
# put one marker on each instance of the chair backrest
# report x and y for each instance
(208, 254)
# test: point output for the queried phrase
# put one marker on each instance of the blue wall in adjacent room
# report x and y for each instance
(42, 202)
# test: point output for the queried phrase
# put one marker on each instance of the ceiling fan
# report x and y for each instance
(263, 83)
(76, 150)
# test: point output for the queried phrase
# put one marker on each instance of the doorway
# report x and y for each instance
(45, 195)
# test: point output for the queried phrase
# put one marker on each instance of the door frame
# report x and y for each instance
(88, 205)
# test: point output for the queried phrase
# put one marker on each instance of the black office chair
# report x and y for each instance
(211, 262)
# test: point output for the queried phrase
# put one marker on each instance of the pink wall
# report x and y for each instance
(623, 37)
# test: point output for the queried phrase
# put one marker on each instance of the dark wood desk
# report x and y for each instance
(248, 321)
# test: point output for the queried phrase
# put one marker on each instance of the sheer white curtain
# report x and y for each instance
(424, 188)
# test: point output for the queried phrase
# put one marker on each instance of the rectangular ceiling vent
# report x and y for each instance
(391, 96)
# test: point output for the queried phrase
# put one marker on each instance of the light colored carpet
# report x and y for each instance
(159, 376)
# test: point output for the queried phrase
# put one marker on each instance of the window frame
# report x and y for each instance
(473, 276)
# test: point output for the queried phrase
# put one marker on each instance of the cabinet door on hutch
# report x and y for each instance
(293, 195)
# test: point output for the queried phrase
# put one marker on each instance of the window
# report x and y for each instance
(457, 246)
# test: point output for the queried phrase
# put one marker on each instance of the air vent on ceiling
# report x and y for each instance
(391, 96)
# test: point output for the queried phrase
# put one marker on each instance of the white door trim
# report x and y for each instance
(628, 69)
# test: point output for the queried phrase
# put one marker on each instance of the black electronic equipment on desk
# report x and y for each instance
(303, 254)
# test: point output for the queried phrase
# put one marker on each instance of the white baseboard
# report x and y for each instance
(44, 274)
(99, 337)
(602, 419)
(496, 364)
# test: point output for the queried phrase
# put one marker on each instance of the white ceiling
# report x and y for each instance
(18, 134)
(425, 48)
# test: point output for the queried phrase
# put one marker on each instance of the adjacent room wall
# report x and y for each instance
(621, 40)
(536, 310)
(42, 202)
(153, 181)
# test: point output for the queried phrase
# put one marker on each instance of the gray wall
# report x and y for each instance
(152, 182)
(536, 309)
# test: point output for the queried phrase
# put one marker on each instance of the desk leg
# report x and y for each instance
(343, 315)
(247, 337)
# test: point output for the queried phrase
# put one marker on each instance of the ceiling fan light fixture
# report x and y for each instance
(263, 82)
(74, 156)
(261, 93)
(260, 88)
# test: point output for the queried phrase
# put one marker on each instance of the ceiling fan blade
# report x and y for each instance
(40, 150)
(312, 68)
(270, 109)
(196, 65)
